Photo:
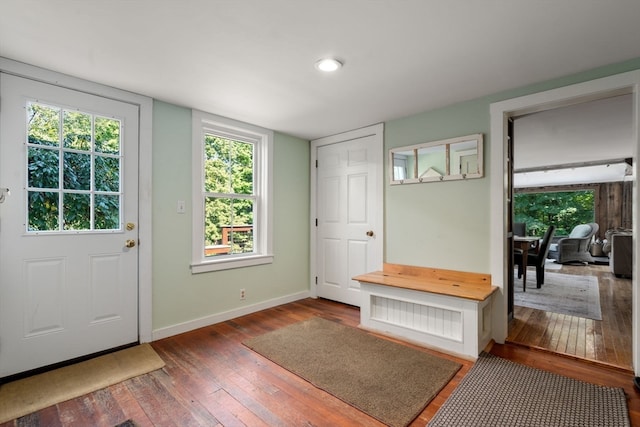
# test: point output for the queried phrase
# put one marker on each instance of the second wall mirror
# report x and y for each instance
(445, 160)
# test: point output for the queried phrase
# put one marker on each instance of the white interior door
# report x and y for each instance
(68, 230)
(349, 212)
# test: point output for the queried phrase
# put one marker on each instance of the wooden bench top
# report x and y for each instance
(474, 286)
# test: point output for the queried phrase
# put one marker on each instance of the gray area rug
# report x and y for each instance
(389, 381)
(561, 293)
(550, 265)
(498, 392)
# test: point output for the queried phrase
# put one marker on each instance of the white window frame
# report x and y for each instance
(203, 123)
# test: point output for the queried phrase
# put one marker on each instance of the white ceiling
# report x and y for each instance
(252, 60)
(597, 132)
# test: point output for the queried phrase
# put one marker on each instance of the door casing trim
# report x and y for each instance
(618, 84)
(377, 131)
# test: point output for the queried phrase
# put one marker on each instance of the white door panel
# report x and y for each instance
(349, 208)
(71, 291)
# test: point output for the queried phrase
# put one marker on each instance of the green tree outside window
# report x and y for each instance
(83, 191)
(230, 199)
(563, 209)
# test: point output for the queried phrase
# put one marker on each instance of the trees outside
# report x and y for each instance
(563, 209)
(230, 199)
(73, 166)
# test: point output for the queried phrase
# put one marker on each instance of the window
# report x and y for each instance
(231, 194)
(563, 209)
(73, 170)
(399, 167)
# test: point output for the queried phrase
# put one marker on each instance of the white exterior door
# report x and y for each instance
(68, 229)
(348, 211)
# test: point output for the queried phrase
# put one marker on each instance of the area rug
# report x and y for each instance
(22, 397)
(498, 392)
(550, 264)
(561, 293)
(389, 381)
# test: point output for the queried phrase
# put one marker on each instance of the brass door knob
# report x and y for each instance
(370, 233)
(130, 243)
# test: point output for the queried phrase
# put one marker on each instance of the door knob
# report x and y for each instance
(130, 243)
(370, 233)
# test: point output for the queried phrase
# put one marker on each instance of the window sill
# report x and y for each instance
(227, 264)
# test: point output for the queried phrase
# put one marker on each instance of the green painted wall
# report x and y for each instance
(441, 224)
(446, 224)
(179, 296)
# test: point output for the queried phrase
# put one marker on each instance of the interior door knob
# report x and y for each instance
(130, 243)
(370, 233)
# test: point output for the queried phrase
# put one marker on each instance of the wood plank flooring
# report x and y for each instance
(606, 341)
(211, 379)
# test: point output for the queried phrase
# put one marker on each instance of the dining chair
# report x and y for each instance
(536, 259)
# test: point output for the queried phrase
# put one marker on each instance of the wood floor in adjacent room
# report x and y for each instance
(211, 379)
(606, 341)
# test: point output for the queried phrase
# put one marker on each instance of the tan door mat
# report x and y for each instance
(22, 397)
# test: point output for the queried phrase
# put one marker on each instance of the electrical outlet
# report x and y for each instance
(242, 294)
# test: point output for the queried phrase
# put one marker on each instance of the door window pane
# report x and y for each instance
(77, 211)
(107, 212)
(43, 123)
(43, 167)
(76, 130)
(77, 171)
(107, 173)
(107, 135)
(43, 211)
(86, 194)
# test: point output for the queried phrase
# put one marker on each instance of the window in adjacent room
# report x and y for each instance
(563, 209)
(399, 167)
(232, 189)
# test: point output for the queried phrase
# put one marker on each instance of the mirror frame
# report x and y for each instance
(432, 174)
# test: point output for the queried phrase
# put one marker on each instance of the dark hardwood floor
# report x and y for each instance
(211, 379)
(607, 341)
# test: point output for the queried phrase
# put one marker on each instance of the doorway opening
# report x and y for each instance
(566, 176)
(501, 221)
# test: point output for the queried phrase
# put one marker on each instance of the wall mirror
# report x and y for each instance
(445, 160)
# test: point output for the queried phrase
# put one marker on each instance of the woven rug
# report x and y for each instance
(561, 293)
(389, 381)
(22, 397)
(498, 392)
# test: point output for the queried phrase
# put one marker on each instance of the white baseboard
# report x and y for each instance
(180, 328)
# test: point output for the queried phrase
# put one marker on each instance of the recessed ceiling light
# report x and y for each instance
(328, 65)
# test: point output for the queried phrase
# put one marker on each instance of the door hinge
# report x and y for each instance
(316, 222)
(316, 163)
(316, 280)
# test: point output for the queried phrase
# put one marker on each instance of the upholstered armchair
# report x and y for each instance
(574, 248)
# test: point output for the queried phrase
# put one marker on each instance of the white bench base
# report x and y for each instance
(453, 324)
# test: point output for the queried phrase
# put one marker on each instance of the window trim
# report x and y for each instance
(263, 139)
